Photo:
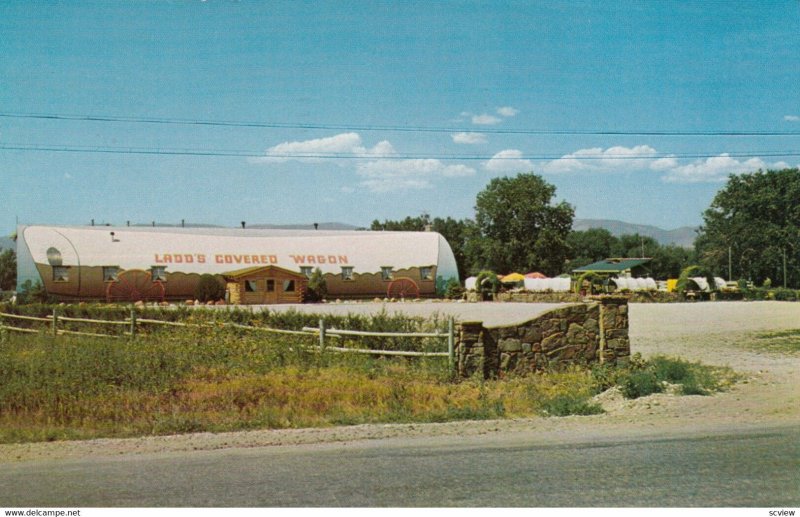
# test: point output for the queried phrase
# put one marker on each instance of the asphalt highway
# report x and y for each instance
(752, 468)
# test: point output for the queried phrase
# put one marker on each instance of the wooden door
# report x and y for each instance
(271, 290)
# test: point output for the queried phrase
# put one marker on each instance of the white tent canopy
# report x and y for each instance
(470, 283)
(547, 284)
(635, 284)
(702, 283)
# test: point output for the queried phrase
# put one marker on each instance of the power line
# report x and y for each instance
(397, 128)
(10, 146)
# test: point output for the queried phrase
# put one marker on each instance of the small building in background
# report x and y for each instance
(265, 285)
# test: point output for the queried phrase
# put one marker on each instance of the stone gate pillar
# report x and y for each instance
(615, 345)
(470, 348)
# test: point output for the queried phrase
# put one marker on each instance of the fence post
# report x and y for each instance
(451, 343)
(133, 323)
(321, 335)
(55, 321)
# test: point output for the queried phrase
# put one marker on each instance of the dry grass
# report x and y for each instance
(213, 379)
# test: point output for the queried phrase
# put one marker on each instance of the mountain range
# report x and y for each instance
(683, 236)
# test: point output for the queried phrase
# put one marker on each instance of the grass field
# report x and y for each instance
(220, 379)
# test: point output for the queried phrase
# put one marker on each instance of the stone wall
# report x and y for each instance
(539, 297)
(596, 331)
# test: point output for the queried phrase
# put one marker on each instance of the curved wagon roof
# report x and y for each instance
(219, 250)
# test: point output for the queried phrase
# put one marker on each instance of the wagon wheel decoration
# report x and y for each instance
(135, 285)
(402, 288)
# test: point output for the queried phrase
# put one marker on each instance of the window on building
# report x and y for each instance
(60, 274)
(426, 273)
(307, 270)
(270, 286)
(288, 286)
(250, 286)
(158, 273)
(386, 272)
(347, 272)
(110, 273)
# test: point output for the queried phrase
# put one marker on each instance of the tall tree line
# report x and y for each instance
(751, 231)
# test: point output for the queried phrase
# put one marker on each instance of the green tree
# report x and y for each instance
(668, 261)
(519, 228)
(317, 287)
(754, 222)
(209, 288)
(8, 270)
(635, 246)
(33, 293)
(587, 246)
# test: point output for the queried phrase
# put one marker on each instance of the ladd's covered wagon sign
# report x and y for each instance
(248, 258)
(82, 262)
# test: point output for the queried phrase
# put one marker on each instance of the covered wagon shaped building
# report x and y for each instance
(125, 264)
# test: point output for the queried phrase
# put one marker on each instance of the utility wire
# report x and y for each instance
(412, 129)
(10, 146)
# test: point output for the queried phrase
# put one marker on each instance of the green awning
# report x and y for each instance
(612, 265)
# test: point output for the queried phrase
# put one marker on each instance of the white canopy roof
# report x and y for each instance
(216, 250)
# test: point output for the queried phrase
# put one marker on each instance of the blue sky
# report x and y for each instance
(499, 83)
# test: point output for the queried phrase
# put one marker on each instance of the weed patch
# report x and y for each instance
(644, 378)
(563, 405)
(785, 342)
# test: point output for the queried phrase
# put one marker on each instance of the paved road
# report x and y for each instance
(753, 468)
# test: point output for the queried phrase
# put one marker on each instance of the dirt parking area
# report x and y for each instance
(721, 334)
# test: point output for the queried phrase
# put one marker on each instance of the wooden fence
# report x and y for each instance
(323, 333)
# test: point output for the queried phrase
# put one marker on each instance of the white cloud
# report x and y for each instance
(67, 176)
(469, 138)
(508, 160)
(646, 158)
(791, 118)
(391, 175)
(507, 111)
(613, 159)
(717, 168)
(319, 149)
(485, 120)
(663, 164)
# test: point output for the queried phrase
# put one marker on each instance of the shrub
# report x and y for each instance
(317, 287)
(209, 288)
(487, 283)
(785, 295)
(605, 376)
(453, 290)
(671, 370)
(33, 293)
(564, 405)
(640, 383)
(594, 281)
